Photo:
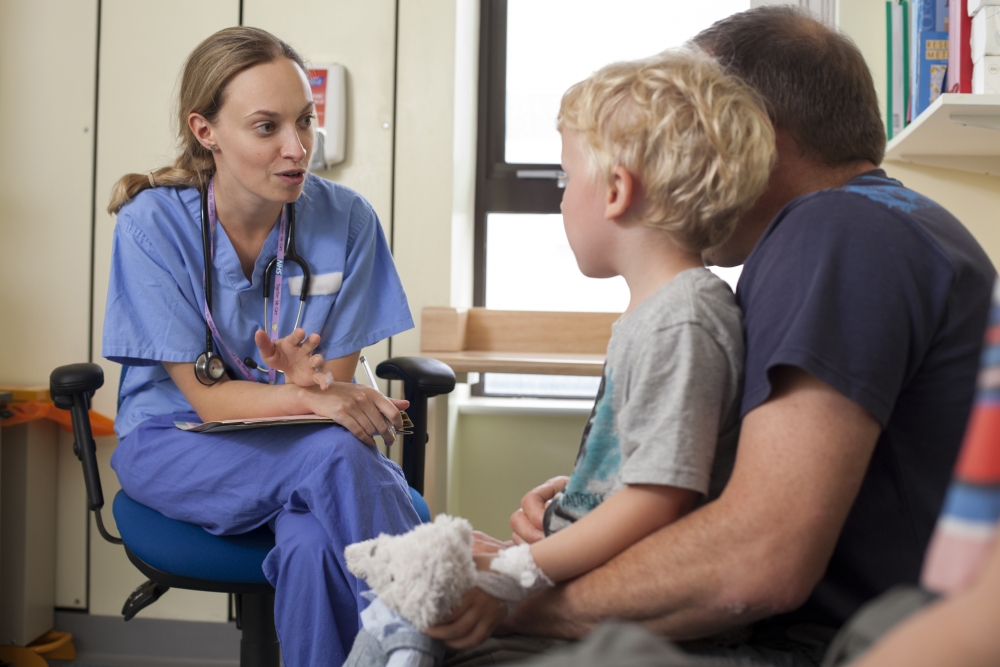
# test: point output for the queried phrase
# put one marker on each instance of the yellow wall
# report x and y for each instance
(502, 453)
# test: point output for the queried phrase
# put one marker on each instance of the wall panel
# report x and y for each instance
(48, 50)
(143, 46)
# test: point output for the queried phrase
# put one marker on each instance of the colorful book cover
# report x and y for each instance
(933, 63)
(959, 51)
(926, 16)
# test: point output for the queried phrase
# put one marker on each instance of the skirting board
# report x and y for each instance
(108, 641)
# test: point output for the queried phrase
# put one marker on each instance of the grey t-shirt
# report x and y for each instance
(667, 411)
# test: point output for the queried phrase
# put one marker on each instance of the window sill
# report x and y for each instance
(495, 405)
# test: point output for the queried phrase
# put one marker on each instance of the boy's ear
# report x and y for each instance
(621, 193)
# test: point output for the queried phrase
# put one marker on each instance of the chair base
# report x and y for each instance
(176, 581)
(259, 645)
(255, 617)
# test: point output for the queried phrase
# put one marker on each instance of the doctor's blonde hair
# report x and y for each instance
(207, 71)
(697, 140)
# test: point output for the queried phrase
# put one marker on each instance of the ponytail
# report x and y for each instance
(129, 185)
(184, 174)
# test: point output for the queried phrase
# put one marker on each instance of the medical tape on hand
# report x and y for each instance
(513, 575)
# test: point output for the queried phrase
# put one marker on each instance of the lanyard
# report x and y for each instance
(276, 310)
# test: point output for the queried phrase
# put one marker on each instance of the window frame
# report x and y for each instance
(501, 187)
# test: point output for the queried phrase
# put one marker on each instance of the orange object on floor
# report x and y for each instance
(21, 656)
(54, 645)
(32, 410)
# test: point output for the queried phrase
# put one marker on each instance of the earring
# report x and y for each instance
(211, 148)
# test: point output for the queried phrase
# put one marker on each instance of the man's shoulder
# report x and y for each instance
(856, 205)
(871, 215)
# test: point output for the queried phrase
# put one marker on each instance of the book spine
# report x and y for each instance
(933, 62)
(907, 52)
(959, 48)
(890, 79)
(896, 54)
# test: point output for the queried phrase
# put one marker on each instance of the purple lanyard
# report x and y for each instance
(275, 311)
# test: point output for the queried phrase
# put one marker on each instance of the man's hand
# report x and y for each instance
(293, 355)
(527, 521)
(472, 622)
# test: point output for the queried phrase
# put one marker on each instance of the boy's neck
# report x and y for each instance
(650, 260)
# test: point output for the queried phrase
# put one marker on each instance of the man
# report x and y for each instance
(865, 305)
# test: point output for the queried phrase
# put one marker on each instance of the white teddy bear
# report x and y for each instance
(421, 575)
(419, 579)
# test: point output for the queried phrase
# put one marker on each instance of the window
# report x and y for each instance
(531, 51)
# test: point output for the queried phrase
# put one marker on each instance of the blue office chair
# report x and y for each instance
(175, 554)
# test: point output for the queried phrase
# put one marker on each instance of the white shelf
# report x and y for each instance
(957, 131)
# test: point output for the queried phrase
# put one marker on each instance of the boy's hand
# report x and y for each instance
(485, 544)
(527, 522)
(472, 622)
(294, 356)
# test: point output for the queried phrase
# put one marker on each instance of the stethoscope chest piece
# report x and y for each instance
(208, 368)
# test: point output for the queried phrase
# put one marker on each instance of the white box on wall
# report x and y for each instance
(986, 75)
(985, 39)
(975, 5)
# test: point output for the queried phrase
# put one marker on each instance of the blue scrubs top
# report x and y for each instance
(155, 309)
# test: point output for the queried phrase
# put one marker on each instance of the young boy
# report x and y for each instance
(662, 156)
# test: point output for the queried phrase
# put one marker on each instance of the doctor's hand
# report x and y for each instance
(293, 355)
(361, 410)
(527, 522)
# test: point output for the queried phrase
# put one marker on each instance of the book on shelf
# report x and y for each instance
(959, 78)
(897, 18)
(933, 60)
(929, 53)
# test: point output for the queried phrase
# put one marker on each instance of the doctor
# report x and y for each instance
(196, 248)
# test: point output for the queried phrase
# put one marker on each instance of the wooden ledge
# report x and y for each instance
(479, 340)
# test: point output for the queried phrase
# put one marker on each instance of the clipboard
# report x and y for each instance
(266, 422)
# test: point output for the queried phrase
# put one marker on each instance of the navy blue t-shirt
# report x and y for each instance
(883, 295)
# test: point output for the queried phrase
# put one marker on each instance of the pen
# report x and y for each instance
(371, 381)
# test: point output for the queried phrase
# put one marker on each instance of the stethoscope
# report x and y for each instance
(209, 367)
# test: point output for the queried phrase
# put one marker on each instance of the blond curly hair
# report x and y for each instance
(696, 139)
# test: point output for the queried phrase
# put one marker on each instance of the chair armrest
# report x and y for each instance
(422, 378)
(74, 379)
(71, 388)
(426, 376)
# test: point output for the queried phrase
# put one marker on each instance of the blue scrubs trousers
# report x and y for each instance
(318, 487)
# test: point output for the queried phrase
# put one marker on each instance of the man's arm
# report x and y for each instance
(756, 551)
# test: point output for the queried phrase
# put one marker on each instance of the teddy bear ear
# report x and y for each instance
(360, 556)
